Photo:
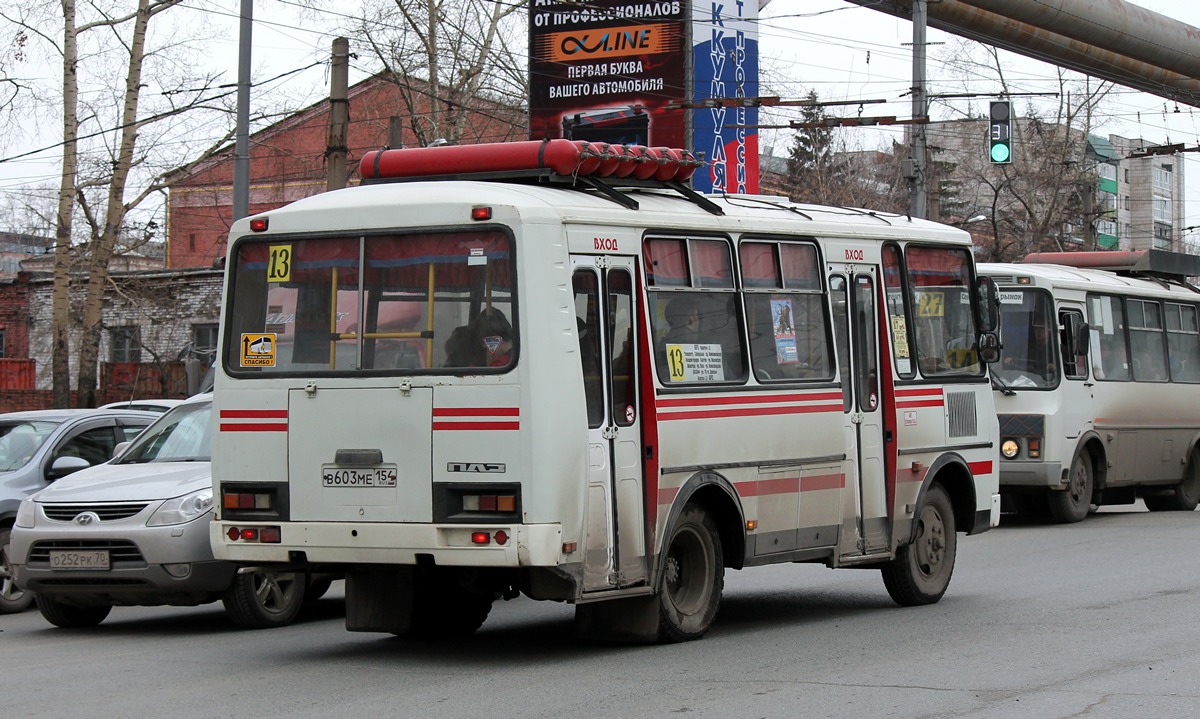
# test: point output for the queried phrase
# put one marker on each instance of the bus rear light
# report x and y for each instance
(481, 538)
(246, 500)
(489, 503)
(270, 535)
(481, 213)
(259, 224)
(233, 534)
(250, 535)
(501, 537)
(569, 547)
(266, 535)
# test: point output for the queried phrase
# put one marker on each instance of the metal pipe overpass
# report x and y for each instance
(1109, 39)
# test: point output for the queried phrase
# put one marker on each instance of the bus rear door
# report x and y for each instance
(605, 306)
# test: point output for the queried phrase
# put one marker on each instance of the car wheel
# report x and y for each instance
(72, 616)
(922, 568)
(12, 598)
(261, 600)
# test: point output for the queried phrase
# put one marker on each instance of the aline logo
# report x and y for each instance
(85, 518)
(478, 467)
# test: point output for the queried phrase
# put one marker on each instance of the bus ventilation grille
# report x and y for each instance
(960, 411)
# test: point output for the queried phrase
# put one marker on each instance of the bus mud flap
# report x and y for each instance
(632, 619)
(380, 600)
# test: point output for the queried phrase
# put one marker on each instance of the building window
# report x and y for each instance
(1107, 171)
(1127, 175)
(3, 349)
(204, 341)
(1162, 180)
(1162, 209)
(126, 344)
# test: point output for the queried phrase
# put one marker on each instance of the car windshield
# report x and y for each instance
(182, 435)
(20, 441)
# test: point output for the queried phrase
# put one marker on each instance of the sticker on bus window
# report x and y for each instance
(1011, 298)
(900, 338)
(279, 264)
(931, 304)
(476, 257)
(785, 332)
(258, 350)
(695, 363)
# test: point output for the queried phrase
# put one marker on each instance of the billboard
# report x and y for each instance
(725, 66)
(604, 71)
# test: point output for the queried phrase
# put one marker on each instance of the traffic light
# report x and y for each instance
(1001, 132)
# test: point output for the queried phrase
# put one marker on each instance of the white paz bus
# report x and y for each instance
(1098, 386)
(554, 370)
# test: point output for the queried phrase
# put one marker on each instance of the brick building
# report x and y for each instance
(287, 163)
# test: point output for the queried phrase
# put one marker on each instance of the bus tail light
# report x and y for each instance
(481, 538)
(246, 500)
(259, 535)
(489, 503)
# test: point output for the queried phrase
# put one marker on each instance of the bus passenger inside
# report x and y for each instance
(683, 315)
(494, 333)
(461, 348)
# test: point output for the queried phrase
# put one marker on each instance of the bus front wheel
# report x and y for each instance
(921, 571)
(1183, 497)
(1073, 503)
(693, 577)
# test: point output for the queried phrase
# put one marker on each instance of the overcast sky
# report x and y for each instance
(840, 50)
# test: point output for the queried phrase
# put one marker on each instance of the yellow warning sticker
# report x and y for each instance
(258, 350)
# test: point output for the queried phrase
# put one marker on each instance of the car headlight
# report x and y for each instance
(182, 509)
(26, 513)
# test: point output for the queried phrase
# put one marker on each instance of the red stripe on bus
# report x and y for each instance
(750, 399)
(762, 487)
(923, 403)
(819, 482)
(254, 414)
(476, 411)
(666, 496)
(255, 427)
(747, 412)
(980, 467)
(447, 426)
(919, 392)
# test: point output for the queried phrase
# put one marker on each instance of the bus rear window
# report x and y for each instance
(429, 302)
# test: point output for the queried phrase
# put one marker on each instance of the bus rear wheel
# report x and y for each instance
(693, 577)
(921, 571)
(1183, 497)
(1073, 503)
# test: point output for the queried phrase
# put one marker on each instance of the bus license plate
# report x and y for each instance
(77, 559)
(382, 476)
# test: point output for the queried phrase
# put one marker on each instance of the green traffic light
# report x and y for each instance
(1000, 153)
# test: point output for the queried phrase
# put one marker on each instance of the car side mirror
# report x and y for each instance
(121, 447)
(63, 466)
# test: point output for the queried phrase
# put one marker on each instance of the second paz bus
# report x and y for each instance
(552, 369)
(1098, 384)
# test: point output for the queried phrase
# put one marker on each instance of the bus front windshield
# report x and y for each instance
(397, 304)
(1028, 359)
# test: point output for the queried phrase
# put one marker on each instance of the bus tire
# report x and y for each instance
(262, 600)
(921, 571)
(72, 616)
(442, 609)
(1183, 497)
(693, 577)
(1073, 503)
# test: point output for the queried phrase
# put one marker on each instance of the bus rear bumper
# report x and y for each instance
(524, 545)
(1031, 474)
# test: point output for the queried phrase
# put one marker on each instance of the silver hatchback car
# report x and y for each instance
(135, 532)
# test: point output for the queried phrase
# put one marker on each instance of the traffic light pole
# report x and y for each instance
(919, 192)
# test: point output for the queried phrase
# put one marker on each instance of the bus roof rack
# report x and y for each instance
(569, 163)
(1156, 263)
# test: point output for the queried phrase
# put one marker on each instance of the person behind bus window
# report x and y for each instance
(494, 333)
(461, 348)
(683, 316)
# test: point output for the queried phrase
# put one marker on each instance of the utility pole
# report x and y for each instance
(918, 175)
(241, 146)
(339, 115)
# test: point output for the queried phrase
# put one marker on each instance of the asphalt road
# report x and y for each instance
(1096, 619)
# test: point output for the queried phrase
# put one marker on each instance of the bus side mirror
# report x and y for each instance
(1075, 336)
(989, 347)
(987, 306)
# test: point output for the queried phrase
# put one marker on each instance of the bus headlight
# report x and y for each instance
(1009, 448)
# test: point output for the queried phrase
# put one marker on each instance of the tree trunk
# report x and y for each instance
(104, 244)
(60, 313)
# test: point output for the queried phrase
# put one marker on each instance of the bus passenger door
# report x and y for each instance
(865, 530)
(605, 306)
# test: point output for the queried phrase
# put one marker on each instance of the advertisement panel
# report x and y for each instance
(725, 62)
(603, 71)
